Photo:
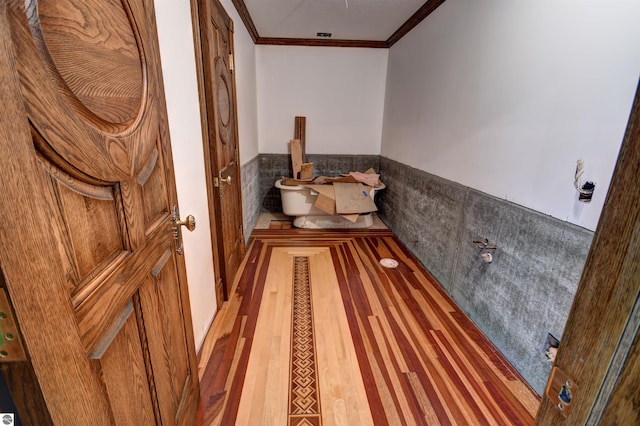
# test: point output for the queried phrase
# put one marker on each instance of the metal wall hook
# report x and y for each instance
(484, 244)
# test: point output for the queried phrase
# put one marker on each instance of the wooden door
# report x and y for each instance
(220, 129)
(88, 248)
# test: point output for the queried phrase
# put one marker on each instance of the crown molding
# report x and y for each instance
(425, 10)
(242, 10)
(281, 41)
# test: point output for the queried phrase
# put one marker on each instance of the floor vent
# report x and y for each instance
(389, 263)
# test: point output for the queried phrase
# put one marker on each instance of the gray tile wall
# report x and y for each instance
(272, 168)
(250, 175)
(525, 293)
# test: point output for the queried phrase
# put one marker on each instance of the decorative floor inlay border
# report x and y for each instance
(304, 401)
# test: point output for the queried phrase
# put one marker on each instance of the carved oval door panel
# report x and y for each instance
(224, 106)
(86, 61)
(109, 83)
(89, 78)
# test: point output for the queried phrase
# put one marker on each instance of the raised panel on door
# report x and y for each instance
(123, 363)
(93, 126)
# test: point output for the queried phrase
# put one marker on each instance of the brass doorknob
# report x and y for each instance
(219, 181)
(189, 223)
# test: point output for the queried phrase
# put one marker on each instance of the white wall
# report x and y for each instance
(246, 92)
(339, 90)
(181, 90)
(177, 53)
(505, 96)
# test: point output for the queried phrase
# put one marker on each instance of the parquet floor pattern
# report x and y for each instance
(379, 346)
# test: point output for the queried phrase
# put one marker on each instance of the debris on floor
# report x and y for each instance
(347, 195)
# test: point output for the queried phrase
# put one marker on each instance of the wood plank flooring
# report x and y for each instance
(317, 332)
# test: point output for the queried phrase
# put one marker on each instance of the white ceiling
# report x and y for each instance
(372, 20)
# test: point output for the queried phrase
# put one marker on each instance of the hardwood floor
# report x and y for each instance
(317, 331)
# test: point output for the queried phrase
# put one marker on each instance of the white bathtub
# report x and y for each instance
(297, 201)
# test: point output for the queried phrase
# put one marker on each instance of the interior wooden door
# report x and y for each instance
(221, 140)
(89, 252)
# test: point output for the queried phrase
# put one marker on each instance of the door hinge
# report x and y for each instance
(11, 348)
(231, 64)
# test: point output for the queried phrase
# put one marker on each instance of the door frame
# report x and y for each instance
(209, 147)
